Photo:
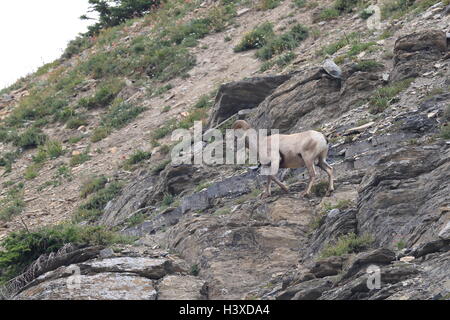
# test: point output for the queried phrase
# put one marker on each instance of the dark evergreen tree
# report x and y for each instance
(114, 12)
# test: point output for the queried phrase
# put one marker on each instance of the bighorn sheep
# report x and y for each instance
(295, 151)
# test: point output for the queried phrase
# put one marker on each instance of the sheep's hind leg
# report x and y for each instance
(329, 170)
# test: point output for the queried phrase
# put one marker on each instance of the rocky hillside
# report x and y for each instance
(85, 154)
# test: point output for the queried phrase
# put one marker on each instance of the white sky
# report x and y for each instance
(35, 32)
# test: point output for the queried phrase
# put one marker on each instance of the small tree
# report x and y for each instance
(115, 12)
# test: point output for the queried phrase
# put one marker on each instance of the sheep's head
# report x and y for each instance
(241, 124)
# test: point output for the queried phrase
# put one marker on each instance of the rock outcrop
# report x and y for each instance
(127, 275)
(246, 94)
(416, 53)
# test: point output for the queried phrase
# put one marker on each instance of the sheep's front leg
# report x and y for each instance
(278, 182)
(312, 175)
(267, 192)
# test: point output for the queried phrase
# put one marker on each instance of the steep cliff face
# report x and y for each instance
(203, 232)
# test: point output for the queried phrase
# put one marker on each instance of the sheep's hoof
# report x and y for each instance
(264, 195)
(305, 195)
(329, 192)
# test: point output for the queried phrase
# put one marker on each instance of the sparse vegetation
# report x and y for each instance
(256, 38)
(319, 219)
(268, 4)
(328, 14)
(320, 188)
(336, 46)
(286, 41)
(368, 65)
(401, 245)
(100, 133)
(382, 97)
(300, 3)
(21, 248)
(350, 243)
(136, 157)
(80, 158)
(445, 131)
(195, 270)
(167, 200)
(103, 96)
(31, 138)
(446, 115)
(397, 8)
(13, 203)
(92, 209)
(76, 122)
(120, 115)
(92, 185)
(339, 7)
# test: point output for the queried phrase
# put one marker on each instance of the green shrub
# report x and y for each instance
(76, 122)
(366, 13)
(368, 65)
(103, 97)
(162, 90)
(195, 270)
(395, 8)
(446, 115)
(46, 68)
(92, 209)
(336, 46)
(268, 4)
(164, 130)
(76, 139)
(320, 189)
(12, 204)
(38, 106)
(401, 245)
(94, 184)
(79, 158)
(382, 97)
(8, 159)
(121, 114)
(63, 115)
(194, 115)
(160, 167)
(445, 131)
(136, 219)
(328, 14)
(300, 3)
(32, 171)
(138, 156)
(256, 38)
(76, 46)
(350, 243)
(21, 248)
(31, 138)
(345, 6)
(54, 149)
(359, 47)
(285, 59)
(283, 42)
(167, 200)
(319, 219)
(100, 133)
(205, 101)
